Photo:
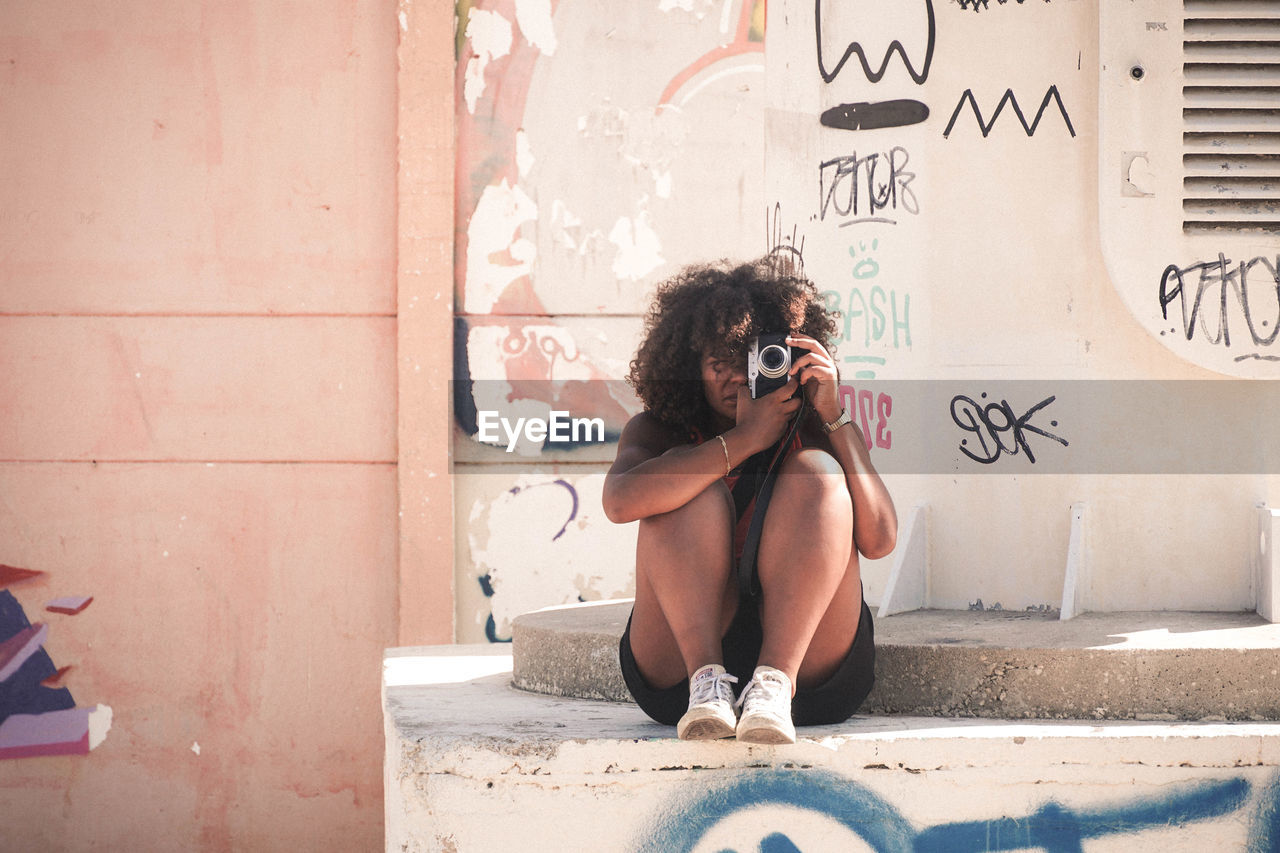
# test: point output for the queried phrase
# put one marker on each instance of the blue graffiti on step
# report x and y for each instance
(1054, 828)
(1057, 829)
(1264, 829)
(864, 813)
(778, 843)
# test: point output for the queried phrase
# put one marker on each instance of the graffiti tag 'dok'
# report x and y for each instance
(853, 188)
(993, 423)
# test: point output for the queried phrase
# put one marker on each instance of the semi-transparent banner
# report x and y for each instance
(944, 426)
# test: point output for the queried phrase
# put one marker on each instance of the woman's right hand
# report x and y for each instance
(762, 422)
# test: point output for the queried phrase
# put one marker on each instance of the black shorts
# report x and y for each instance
(833, 701)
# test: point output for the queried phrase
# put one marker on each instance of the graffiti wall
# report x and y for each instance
(934, 167)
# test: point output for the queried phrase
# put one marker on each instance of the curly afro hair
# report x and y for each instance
(717, 309)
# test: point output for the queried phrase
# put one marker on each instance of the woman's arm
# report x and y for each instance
(656, 471)
(653, 473)
(875, 521)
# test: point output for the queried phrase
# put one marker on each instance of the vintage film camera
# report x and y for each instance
(768, 361)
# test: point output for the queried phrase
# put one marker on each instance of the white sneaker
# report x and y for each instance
(766, 708)
(710, 715)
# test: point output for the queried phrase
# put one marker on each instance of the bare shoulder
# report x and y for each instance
(646, 431)
(643, 438)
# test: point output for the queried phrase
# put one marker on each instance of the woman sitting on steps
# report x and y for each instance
(799, 639)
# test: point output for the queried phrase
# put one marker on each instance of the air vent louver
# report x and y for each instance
(1231, 116)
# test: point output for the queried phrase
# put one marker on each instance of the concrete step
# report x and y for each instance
(1000, 664)
(473, 764)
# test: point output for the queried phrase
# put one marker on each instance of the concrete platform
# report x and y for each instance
(473, 764)
(999, 664)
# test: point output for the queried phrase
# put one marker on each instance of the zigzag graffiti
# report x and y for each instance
(856, 48)
(1009, 98)
(978, 5)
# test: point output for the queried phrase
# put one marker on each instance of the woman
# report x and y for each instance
(803, 646)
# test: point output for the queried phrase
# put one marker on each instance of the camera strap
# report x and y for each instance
(748, 581)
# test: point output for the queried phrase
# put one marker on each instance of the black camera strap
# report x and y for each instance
(762, 486)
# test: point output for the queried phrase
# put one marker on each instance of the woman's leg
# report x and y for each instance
(809, 578)
(684, 600)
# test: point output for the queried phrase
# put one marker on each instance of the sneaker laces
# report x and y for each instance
(769, 689)
(708, 689)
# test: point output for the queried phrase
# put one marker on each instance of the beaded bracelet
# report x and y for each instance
(727, 467)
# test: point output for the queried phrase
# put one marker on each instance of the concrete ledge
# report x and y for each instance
(571, 650)
(1000, 664)
(475, 765)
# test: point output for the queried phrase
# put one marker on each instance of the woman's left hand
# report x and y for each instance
(816, 370)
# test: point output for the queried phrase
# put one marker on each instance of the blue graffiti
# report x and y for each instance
(490, 624)
(1057, 829)
(1264, 830)
(1053, 828)
(778, 843)
(862, 812)
(573, 495)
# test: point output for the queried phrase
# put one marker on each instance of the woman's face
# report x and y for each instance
(722, 376)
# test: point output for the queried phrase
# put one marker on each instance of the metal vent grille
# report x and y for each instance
(1231, 116)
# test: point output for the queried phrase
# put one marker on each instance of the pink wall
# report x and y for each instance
(198, 411)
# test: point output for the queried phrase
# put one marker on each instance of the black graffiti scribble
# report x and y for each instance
(1010, 99)
(783, 248)
(849, 186)
(993, 421)
(490, 624)
(870, 116)
(856, 48)
(977, 5)
(1219, 278)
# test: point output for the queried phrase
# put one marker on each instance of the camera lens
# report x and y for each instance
(774, 360)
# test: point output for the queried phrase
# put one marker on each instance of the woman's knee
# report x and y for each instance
(814, 478)
(812, 461)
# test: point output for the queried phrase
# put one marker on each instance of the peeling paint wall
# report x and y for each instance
(597, 153)
(935, 169)
(537, 541)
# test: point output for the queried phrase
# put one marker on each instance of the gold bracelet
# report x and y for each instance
(727, 467)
